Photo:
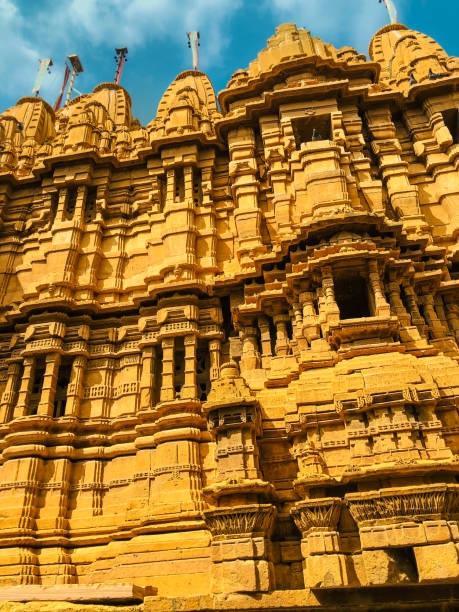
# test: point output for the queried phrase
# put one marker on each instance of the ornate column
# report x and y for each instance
(75, 388)
(46, 404)
(331, 307)
(242, 171)
(396, 303)
(250, 356)
(282, 341)
(416, 317)
(452, 314)
(167, 378)
(241, 526)
(241, 548)
(22, 404)
(10, 392)
(435, 327)
(382, 308)
(147, 377)
(311, 328)
(265, 336)
(215, 357)
(324, 565)
(189, 389)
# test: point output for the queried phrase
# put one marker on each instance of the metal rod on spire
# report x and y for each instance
(77, 68)
(391, 9)
(193, 44)
(45, 65)
(120, 58)
(58, 102)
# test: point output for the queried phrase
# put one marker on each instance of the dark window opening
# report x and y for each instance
(405, 562)
(37, 385)
(162, 189)
(60, 397)
(351, 294)
(228, 326)
(272, 335)
(203, 372)
(90, 207)
(71, 202)
(179, 365)
(179, 185)
(309, 129)
(54, 205)
(454, 270)
(450, 117)
(197, 186)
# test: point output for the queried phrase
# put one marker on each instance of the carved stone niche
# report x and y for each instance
(241, 548)
(409, 534)
(324, 565)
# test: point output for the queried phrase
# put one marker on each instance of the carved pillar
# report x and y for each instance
(22, 404)
(46, 405)
(397, 306)
(324, 565)
(382, 308)
(414, 310)
(331, 307)
(280, 320)
(241, 549)
(435, 327)
(215, 357)
(10, 392)
(189, 389)
(250, 356)
(265, 335)
(325, 179)
(147, 377)
(75, 388)
(243, 175)
(311, 328)
(452, 314)
(167, 378)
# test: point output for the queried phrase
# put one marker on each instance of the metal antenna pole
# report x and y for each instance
(391, 9)
(77, 68)
(120, 58)
(45, 65)
(193, 44)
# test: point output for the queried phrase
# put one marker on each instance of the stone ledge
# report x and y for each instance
(99, 593)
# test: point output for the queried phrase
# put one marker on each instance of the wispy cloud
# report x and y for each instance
(29, 31)
(19, 54)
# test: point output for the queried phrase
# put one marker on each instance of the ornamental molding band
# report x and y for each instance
(229, 372)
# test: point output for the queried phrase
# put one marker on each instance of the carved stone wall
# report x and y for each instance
(229, 340)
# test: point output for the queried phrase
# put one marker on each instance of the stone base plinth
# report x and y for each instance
(97, 593)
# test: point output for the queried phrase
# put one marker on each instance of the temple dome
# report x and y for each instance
(408, 57)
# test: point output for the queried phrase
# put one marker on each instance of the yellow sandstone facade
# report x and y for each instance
(229, 340)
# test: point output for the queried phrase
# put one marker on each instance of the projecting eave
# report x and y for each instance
(257, 85)
(272, 100)
(442, 86)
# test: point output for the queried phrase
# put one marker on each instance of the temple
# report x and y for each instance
(229, 371)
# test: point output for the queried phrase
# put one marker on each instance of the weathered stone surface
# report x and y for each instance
(228, 340)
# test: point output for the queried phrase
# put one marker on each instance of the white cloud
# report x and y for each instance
(30, 31)
(19, 65)
(340, 22)
(135, 22)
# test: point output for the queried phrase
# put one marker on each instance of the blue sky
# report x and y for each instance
(232, 33)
